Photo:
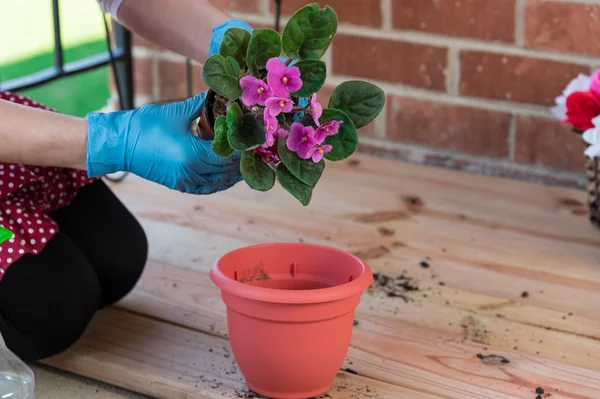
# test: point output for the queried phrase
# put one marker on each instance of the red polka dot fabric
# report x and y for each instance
(27, 194)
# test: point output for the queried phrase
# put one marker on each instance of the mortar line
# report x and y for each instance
(520, 22)
(453, 72)
(386, 14)
(474, 102)
(439, 40)
(512, 137)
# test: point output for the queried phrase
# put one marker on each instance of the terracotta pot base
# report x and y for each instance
(285, 395)
(290, 314)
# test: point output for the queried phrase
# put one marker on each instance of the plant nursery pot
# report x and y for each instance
(290, 314)
(207, 119)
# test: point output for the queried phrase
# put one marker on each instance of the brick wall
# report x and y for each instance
(468, 82)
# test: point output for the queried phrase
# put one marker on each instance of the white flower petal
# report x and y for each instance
(592, 151)
(596, 121)
(590, 136)
(559, 111)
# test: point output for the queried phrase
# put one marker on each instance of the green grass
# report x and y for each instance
(29, 25)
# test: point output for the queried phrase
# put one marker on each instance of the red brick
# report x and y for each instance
(563, 26)
(448, 126)
(515, 78)
(142, 76)
(387, 60)
(548, 142)
(357, 12)
(480, 19)
(173, 81)
(237, 5)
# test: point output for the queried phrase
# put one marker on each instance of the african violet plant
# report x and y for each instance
(266, 105)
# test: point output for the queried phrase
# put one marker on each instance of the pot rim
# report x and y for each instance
(335, 293)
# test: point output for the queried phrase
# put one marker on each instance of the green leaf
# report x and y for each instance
(309, 32)
(223, 76)
(345, 141)
(362, 101)
(220, 145)
(257, 174)
(304, 170)
(243, 131)
(264, 45)
(301, 191)
(235, 45)
(313, 74)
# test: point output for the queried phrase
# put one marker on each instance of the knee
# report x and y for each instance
(52, 327)
(126, 268)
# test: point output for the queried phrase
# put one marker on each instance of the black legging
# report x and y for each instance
(47, 300)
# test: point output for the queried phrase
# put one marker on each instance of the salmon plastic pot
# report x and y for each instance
(290, 314)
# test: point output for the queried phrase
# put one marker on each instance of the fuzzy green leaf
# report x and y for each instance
(223, 76)
(309, 32)
(301, 191)
(313, 74)
(235, 45)
(305, 170)
(257, 174)
(361, 101)
(264, 45)
(220, 144)
(243, 131)
(345, 141)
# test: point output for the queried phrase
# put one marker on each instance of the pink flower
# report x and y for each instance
(267, 155)
(277, 105)
(327, 129)
(595, 85)
(301, 140)
(318, 152)
(254, 91)
(271, 125)
(316, 110)
(281, 134)
(283, 80)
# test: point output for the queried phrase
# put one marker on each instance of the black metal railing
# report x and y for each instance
(119, 57)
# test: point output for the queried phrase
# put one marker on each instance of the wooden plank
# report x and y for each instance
(430, 355)
(170, 362)
(487, 240)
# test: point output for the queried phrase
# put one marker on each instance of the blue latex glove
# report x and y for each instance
(155, 142)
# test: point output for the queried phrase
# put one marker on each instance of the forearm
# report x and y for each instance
(35, 137)
(182, 26)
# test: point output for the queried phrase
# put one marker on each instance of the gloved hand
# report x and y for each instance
(155, 142)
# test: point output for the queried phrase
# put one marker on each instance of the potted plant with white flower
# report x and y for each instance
(579, 107)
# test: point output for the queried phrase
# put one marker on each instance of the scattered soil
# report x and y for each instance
(248, 394)
(492, 360)
(356, 322)
(539, 390)
(393, 286)
(354, 162)
(473, 330)
(349, 370)
(424, 264)
(525, 294)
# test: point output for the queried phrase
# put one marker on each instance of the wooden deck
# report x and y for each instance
(499, 286)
